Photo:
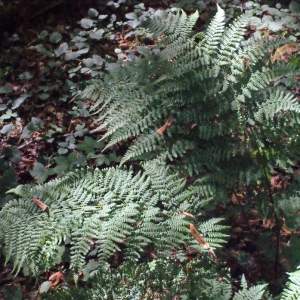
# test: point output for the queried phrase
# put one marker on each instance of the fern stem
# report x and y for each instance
(277, 226)
(272, 205)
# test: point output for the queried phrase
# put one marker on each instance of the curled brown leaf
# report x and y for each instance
(40, 204)
(199, 238)
(56, 278)
(162, 129)
(186, 214)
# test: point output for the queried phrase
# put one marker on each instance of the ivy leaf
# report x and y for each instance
(93, 13)
(294, 7)
(89, 144)
(61, 49)
(80, 130)
(6, 89)
(12, 153)
(86, 23)
(43, 34)
(131, 16)
(275, 26)
(55, 37)
(98, 60)
(89, 62)
(83, 50)
(62, 151)
(19, 101)
(45, 286)
(102, 17)
(44, 96)
(25, 76)
(97, 35)
(38, 170)
(87, 270)
(72, 55)
(3, 106)
(41, 49)
(8, 114)
(62, 163)
(35, 124)
(101, 159)
(133, 23)
(8, 129)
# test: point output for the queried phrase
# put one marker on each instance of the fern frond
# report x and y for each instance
(252, 293)
(110, 208)
(213, 35)
(292, 289)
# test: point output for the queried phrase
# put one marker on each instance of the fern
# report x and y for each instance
(252, 293)
(292, 290)
(218, 92)
(107, 209)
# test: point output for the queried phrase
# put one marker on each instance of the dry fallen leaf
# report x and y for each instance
(56, 277)
(186, 214)
(40, 204)
(27, 160)
(162, 129)
(283, 52)
(199, 238)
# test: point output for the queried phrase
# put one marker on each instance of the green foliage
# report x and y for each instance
(211, 103)
(110, 209)
(162, 278)
(218, 92)
(252, 293)
(292, 290)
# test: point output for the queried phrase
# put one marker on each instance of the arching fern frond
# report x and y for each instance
(109, 209)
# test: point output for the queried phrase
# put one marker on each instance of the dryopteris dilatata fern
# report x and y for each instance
(108, 209)
(209, 104)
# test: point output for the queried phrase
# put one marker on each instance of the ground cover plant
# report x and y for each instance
(214, 117)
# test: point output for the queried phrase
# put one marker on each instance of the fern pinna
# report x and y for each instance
(109, 209)
(206, 101)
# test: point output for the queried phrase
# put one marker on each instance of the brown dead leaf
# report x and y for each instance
(186, 214)
(283, 52)
(56, 277)
(267, 223)
(162, 129)
(234, 199)
(40, 204)
(237, 198)
(27, 160)
(286, 231)
(255, 222)
(199, 238)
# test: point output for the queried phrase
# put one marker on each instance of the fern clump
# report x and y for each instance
(111, 209)
(206, 101)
